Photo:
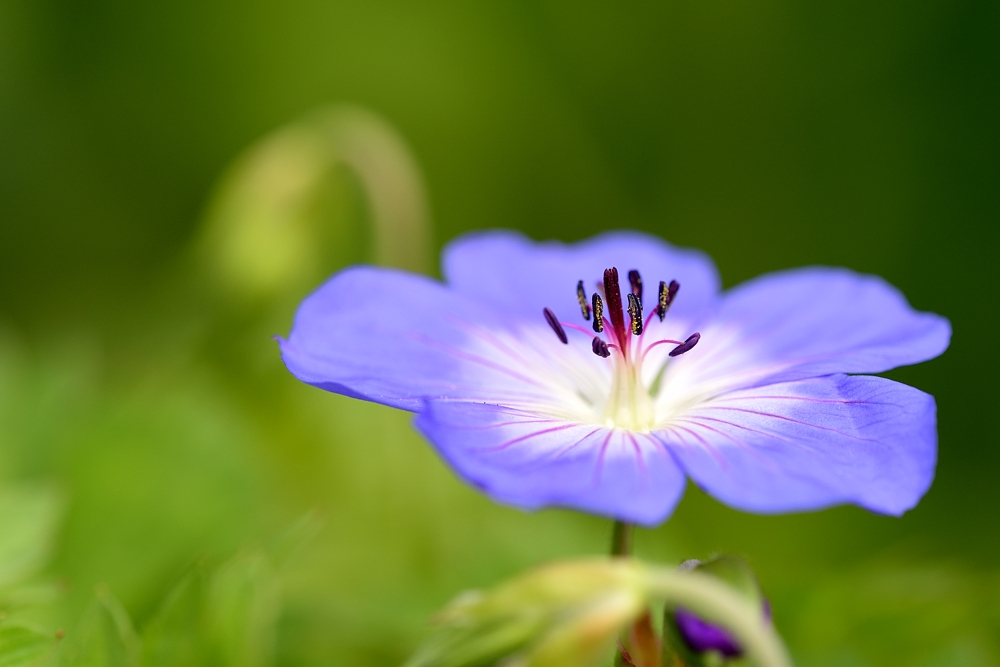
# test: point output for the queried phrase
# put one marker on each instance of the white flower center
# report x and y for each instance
(615, 383)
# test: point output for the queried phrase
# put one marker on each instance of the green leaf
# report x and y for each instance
(225, 615)
(29, 516)
(242, 609)
(173, 637)
(23, 646)
(105, 636)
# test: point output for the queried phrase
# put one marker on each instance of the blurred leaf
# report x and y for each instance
(905, 616)
(172, 637)
(105, 636)
(225, 615)
(24, 646)
(29, 515)
(303, 531)
(243, 605)
(267, 231)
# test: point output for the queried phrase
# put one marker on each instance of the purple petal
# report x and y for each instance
(807, 323)
(521, 276)
(397, 338)
(702, 636)
(530, 461)
(810, 444)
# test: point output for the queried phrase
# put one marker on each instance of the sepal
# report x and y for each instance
(570, 614)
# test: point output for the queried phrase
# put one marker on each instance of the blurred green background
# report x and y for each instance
(163, 476)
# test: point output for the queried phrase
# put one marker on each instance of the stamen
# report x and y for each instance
(581, 296)
(598, 312)
(635, 281)
(665, 341)
(635, 314)
(600, 348)
(613, 294)
(691, 341)
(666, 297)
(553, 321)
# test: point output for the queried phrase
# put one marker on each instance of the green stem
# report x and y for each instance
(621, 547)
(621, 539)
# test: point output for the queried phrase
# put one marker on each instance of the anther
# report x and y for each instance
(600, 348)
(666, 297)
(635, 314)
(612, 292)
(635, 281)
(553, 321)
(581, 296)
(691, 341)
(598, 312)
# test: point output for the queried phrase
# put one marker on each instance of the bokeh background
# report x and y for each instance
(169, 494)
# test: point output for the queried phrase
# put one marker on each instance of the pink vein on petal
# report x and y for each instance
(788, 419)
(468, 356)
(485, 334)
(747, 448)
(638, 453)
(527, 436)
(753, 430)
(566, 449)
(842, 401)
(505, 423)
(662, 447)
(600, 457)
(711, 450)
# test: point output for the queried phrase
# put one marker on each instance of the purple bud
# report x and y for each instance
(701, 636)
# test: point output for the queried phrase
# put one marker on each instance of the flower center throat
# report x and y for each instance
(629, 402)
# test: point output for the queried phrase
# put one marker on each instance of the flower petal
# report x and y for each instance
(531, 461)
(521, 276)
(397, 338)
(810, 444)
(806, 323)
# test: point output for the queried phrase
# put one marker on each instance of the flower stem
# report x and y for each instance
(621, 539)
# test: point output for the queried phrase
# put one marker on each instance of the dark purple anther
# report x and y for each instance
(691, 341)
(635, 282)
(613, 293)
(553, 321)
(635, 314)
(598, 304)
(600, 348)
(701, 636)
(581, 296)
(666, 297)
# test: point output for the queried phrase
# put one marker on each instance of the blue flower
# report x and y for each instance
(751, 393)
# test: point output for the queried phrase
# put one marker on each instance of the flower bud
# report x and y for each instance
(690, 636)
(572, 614)
(562, 615)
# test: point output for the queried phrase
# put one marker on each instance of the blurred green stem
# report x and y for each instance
(621, 547)
(621, 539)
